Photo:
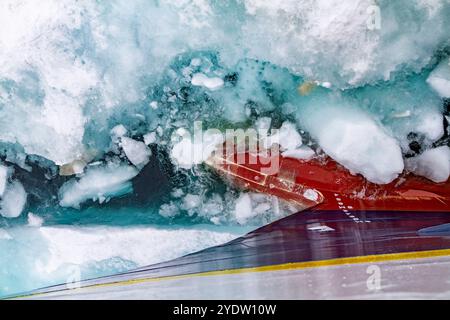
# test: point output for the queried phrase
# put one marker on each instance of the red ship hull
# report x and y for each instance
(335, 187)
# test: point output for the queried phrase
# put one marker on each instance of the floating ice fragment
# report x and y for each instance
(263, 124)
(102, 181)
(136, 151)
(154, 105)
(287, 137)
(169, 210)
(356, 141)
(34, 220)
(118, 131)
(191, 201)
(243, 208)
(302, 153)
(433, 164)
(3, 179)
(189, 152)
(431, 125)
(13, 200)
(150, 138)
(199, 79)
(439, 79)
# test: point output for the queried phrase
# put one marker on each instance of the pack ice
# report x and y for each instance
(91, 93)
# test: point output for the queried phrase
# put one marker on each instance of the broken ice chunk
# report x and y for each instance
(189, 152)
(433, 164)
(243, 208)
(3, 179)
(439, 79)
(431, 125)
(13, 200)
(169, 210)
(263, 124)
(191, 201)
(199, 79)
(136, 151)
(98, 183)
(355, 140)
(34, 220)
(302, 153)
(117, 132)
(150, 138)
(287, 137)
(154, 105)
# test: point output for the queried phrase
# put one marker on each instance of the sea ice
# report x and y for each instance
(99, 182)
(3, 179)
(355, 140)
(13, 201)
(439, 79)
(302, 153)
(199, 79)
(136, 151)
(34, 220)
(433, 164)
(243, 209)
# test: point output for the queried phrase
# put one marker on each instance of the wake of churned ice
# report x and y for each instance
(34, 257)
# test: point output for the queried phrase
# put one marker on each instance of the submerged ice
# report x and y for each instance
(98, 101)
